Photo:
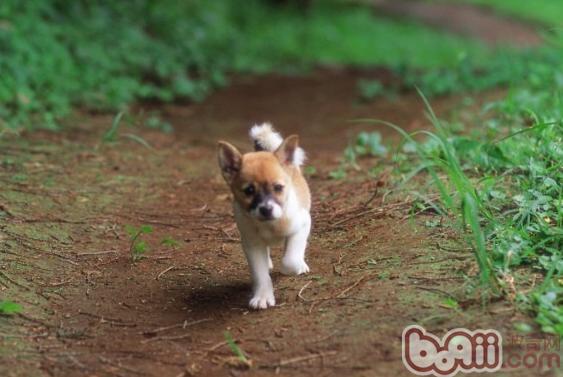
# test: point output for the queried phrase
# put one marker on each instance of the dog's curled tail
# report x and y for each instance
(265, 138)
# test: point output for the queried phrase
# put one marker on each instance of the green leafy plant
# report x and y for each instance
(366, 144)
(111, 134)
(549, 304)
(545, 11)
(57, 56)
(138, 247)
(503, 185)
(309, 170)
(9, 307)
(170, 242)
(451, 303)
(338, 173)
(155, 122)
(370, 89)
(237, 351)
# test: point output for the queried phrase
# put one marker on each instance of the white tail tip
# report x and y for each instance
(265, 138)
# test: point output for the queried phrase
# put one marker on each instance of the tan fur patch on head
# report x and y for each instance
(261, 167)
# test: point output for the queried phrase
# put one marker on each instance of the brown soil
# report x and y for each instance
(90, 311)
(477, 22)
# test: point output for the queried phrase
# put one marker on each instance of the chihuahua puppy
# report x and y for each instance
(271, 205)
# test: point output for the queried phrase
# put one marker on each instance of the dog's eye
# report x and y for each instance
(278, 188)
(249, 190)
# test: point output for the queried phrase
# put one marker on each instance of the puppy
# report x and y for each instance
(271, 205)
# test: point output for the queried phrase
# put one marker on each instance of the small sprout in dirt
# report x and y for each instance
(369, 144)
(240, 359)
(450, 303)
(156, 123)
(49, 182)
(8, 307)
(523, 328)
(338, 174)
(19, 177)
(170, 242)
(383, 275)
(370, 89)
(310, 170)
(433, 223)
(138, 247)
(8, 162)
(111, 134)
(138, 139)
(365, 144)
(371, 262)
(319, 279)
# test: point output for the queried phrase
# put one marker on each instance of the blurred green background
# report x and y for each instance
(102, 54)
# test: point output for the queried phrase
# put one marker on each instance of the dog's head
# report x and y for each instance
(259, 180)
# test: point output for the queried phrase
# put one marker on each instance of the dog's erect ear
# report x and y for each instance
(286, 151)
(230, 160)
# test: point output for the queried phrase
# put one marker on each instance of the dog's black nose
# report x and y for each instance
(266, 211)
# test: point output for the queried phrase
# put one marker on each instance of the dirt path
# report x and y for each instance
(90, 311)
(469, 20)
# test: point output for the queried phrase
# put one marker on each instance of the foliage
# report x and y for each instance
(332, 32)
(549, 12)
(549, 304)
(105, 54)
(515, 180)
(111, 134)
(505, 68)
(138, 247)
(170, 242)
(156, 123)
(241, 359)
(366, 144)
(8, 307)
(503, 180)
(370, 89)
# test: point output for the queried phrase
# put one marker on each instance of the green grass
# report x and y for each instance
(239, 356)
(340, 34)
(502, 180)
(8, 307)
(548, 12)
(138, 247)
(104, 55)
(504, 69)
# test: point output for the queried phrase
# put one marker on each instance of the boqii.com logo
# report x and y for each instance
(460, 350)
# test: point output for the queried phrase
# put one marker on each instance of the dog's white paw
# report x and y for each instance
(270, 263)
(294, 267)
(262, 300)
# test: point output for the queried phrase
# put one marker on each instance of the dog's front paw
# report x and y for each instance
(294, 267)
(262, 300)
